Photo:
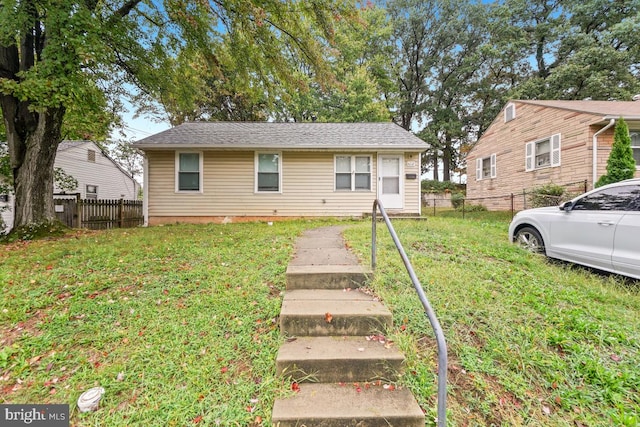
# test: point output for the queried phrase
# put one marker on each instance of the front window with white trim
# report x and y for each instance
(543, 153)
(189, 172)
(268, 177)
(353, 173)
(635, 146)
(486, 167)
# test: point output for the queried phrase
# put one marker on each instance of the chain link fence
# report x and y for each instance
(456, 204)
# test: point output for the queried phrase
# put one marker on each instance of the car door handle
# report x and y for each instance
(605, 223)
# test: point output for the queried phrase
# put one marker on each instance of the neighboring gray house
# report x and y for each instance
(216, 171)
(98, 176)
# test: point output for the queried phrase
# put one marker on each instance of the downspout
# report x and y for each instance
(145, 190)
(595, 151)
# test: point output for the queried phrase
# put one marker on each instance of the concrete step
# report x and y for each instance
(326, 276)
(332, 313)
(336, 359)
(335, 405)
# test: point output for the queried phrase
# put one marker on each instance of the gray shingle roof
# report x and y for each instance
(266, 135)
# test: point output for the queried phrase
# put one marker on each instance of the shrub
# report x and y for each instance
(431, 186)
(475, 208)
(620, 165)
(457, 199)
(547, 195)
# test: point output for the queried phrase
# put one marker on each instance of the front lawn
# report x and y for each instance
(531, 341)
(179, 324)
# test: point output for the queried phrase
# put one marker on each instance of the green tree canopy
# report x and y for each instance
(69, 62)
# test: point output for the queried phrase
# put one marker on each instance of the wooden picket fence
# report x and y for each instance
(98, 214)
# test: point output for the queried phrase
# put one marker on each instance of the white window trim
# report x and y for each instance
(555, 149)
(255, 173)
(86, 191)
(635, 147)
(201, 172)
(353, 173)
(493, 169)
(510, 106)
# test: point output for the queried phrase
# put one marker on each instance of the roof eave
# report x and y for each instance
(145, 147)
(630, 119)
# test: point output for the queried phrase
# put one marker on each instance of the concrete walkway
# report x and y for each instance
(328, 324)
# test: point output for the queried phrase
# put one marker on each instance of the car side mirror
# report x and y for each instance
(566, 206)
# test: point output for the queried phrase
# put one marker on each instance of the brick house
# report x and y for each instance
(532, 143)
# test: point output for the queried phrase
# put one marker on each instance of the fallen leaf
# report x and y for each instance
(120, 376)
(546, 410)
(197, 419)
(224, 369)
(258, 420)
(328, 317)
(360, 348)
(295, 387)
(615, 358)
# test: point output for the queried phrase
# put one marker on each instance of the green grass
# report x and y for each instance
(179, 324)
(531, 341)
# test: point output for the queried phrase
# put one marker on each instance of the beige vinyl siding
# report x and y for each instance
(411, 186)
(229, 184)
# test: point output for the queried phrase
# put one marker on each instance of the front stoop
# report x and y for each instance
(333, 348)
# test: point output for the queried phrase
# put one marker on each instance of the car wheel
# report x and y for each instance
(528, 238)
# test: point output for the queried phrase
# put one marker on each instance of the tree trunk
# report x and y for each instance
(446, 159)
(33, 170)
(436, 174)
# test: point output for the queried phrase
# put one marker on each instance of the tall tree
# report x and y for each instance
(438, 65)
(574, 49)
(359, 57)
(57, 55)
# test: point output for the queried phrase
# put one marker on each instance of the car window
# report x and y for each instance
(623, 198)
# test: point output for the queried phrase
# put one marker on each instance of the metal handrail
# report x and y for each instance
(442, 345)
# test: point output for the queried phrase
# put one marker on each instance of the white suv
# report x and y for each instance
(599, 229)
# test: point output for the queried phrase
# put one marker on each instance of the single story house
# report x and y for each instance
(532, 143)
(97, 174)
(226, 171)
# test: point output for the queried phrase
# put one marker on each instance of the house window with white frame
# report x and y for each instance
(189, 172)
(635, 146)
(486, 167)
(91, 192)
(353, 173)
(543, 153)
(268, 172)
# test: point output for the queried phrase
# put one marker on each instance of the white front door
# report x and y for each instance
(390, 189)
